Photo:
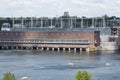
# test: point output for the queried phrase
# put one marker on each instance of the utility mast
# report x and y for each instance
(81, 22)
(31, 22)
(22, 22)
(41, 22)
(104, 22)
(13, 22)
(93, 22)
(71, 22)
(61, 23)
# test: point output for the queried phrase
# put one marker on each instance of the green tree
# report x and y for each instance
(8, 76)
(82, 75)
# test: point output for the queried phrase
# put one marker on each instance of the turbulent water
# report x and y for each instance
(60, 66)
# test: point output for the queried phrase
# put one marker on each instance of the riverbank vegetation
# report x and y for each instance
(83, 75)
(8, 76)
(80, 75)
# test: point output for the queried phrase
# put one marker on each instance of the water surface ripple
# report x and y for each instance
(60, 66)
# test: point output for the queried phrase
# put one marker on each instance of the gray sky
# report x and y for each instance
(51, 8)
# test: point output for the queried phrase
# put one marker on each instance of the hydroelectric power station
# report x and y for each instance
(64, 33)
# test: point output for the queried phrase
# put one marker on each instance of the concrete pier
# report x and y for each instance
(42, 48)
(87, 49)
(63, 49)
(53, 49)
(74, 50)
(69, 50)
(47, 48)
(58, 49)
(80, 49)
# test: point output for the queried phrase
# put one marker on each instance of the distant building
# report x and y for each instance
(5, 27)
(66, 14)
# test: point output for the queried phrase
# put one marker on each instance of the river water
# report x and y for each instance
(60, 66)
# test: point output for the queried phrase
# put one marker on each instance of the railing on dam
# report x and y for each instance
(43, 41)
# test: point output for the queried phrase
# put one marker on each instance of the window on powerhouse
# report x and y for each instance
(44, 41)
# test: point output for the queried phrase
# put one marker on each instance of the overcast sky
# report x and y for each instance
(51, 8)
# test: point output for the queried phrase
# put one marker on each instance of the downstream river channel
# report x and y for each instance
(60, 66)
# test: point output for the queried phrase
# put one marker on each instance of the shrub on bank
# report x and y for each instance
(8, 76)
(82, 75)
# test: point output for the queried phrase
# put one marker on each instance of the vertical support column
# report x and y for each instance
(88, 50)
(69, 49)
(22, 22)
(2, 47)
(104, 23)
(36, 23)
(31, 47)
(41, 22)
(93, 22)
(31, 22)
(75, 23)
(53, 49)
(26, 48)
(63, 49)
(37, 48)
(74, 50)
(61, 23)
(7, 47)
(47, 48)
(80, 49)
(81, 22)
(51, 22)
(42, 48)
(13, 22)
(58, 49)
(21, 47)
(16, 47)
(12, 48)
(71, 23)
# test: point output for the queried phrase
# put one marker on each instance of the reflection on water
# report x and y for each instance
(60, 66)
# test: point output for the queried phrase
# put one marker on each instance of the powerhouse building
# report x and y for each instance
(50, 40)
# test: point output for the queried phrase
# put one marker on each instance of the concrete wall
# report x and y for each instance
(109, 46)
